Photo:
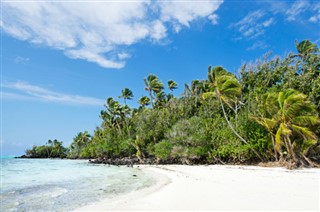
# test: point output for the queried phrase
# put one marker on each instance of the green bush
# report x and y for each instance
(163, 149)
(190, 138)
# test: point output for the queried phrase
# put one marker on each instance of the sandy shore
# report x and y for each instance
(196, 188)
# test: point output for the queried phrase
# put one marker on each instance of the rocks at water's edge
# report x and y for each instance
(127, 161)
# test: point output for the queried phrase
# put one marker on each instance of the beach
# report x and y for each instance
(216, 187)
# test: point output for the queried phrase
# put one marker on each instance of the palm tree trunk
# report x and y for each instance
(118, 125)
(274, 147)
(48, 152)
(235, 132)
(291, 150)
(127, 126)
(151, 98)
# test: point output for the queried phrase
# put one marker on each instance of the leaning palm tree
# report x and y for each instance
(227, 90)
(153, 85)
(291, 124)
(295, 117)
(126, 93)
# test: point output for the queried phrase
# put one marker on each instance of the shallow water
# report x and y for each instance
(63, 185)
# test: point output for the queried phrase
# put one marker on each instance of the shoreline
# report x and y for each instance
(220, 187)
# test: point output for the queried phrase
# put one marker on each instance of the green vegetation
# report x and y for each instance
(52, 149)
(269, 112)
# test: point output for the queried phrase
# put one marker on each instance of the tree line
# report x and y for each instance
(268, 112)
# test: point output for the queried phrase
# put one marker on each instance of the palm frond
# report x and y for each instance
(304, 131)
(285, 130)
(306, 120)
(280, 100)
(208, 95)
(306, 145)
(269, 124)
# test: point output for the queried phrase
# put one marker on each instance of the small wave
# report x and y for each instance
(58, 192)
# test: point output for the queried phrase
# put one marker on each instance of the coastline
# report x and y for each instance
(220, 187)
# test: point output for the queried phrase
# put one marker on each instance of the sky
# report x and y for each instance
(60, 60)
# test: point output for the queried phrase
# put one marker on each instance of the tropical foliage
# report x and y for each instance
(267, 112)
(52, 149)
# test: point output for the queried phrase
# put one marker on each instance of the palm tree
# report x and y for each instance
(124, 111)
(187, 91)
(112, 114)
(292, 122)
(295, 116)
(161, 99)
(81, 140)
(126, 93)
(153, 85)
(57, 148)
(227, 90)
(137, 144)
(144, 101)
(172, 85)
(267, 108)
(198, 87)
(305, 48)
(49, 144)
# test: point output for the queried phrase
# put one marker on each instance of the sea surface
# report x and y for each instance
(63, 185)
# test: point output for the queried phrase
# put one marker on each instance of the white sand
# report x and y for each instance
(196, 188)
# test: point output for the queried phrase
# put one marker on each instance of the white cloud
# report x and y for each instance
(296, 9)
(181, 13)
(26, 91)
(158, 30)
(99, 31)
(253, 24)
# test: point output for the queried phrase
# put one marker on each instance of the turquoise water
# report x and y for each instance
(63, 185)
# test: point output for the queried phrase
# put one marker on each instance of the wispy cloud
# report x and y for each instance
(102, 36)
(253, 24)
(21, 60)
(299, 10)
(296, 9)
(26, 91)
(315, 18)
(258, 45)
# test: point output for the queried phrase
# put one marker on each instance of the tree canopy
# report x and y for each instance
(269, 111)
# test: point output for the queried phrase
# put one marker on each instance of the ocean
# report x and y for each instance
(63, 185)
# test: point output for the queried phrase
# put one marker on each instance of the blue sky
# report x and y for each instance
(61, 60)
